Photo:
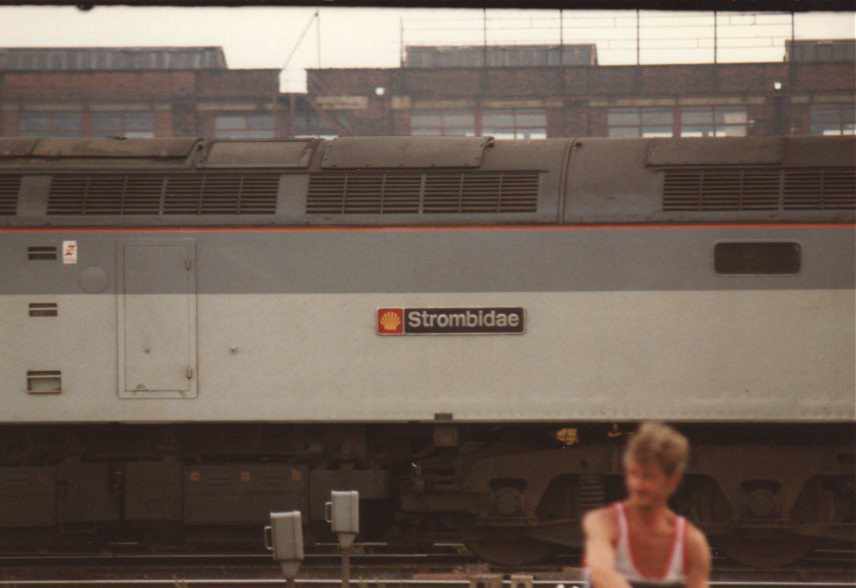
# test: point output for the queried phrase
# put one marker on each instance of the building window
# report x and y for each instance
(51, 124)
(133, 125)
(833, 119)
(714, 121)
(243, 126)
(640, 122)
(448, 123)
(517, 123)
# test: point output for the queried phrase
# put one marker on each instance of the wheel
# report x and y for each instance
(510, 551)
(766, 549)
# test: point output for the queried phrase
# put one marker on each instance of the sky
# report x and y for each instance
(265, 37)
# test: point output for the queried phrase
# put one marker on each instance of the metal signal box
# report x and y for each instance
(343, 514)
(284, 537)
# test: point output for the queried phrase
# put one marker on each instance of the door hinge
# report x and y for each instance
(189, 373)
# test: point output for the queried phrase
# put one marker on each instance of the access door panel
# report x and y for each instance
(157, 338)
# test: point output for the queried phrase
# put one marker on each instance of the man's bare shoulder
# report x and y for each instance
(599, 522)
(698, 550)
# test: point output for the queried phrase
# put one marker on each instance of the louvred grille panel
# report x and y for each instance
(9, 187)
(124, 194)
(747, 189)
(820, 189)
(430, 193)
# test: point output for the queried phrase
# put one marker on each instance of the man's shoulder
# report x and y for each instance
(599, 521)
(696, 544)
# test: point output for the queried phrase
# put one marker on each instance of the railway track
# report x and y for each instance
(378, 564)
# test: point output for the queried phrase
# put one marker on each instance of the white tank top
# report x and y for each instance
(675, 575)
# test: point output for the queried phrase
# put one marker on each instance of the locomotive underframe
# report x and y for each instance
(192, 484)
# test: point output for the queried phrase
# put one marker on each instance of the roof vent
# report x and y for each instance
(10, 185)
(133, 194)
(720, 188)
(425, 193)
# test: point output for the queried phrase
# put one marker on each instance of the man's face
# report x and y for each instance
(647, 485)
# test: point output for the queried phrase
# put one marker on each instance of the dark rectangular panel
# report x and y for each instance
(239, 494)
(27, 497)
(153, 491)
(757, 258)
(88, 493)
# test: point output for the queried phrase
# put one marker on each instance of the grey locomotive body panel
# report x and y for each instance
(239, 281)
(615, 329)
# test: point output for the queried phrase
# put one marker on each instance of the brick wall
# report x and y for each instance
(56, 86)
(238, 83)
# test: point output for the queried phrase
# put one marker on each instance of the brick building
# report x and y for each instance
(508, 92)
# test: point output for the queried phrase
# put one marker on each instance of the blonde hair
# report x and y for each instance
(660, 444)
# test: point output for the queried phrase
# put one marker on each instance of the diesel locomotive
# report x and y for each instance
(195, 333)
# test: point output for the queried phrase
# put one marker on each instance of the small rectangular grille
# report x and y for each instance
(36, 253)
(428, 193)
(133, 194)
(44, 382)
(747, 189)
(42, 309)
(10, 185)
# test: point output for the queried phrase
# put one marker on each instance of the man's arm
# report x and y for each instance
(599, 553)
(698, 558)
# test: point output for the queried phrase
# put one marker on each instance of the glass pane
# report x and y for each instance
(691, 116)
(106, 121)
(623, 131)
(731, 116)
(496, 134)
(731, 131)
(826, 131)
(460, 119)
(67, 121)
(224, 121)
(623, 116)
(697, 131)
(260, 121)
(533, 134)
(139, 121)
(848, 113)
(426, 119)
(31, 121)
(425, 132)
(498, 118)
(657, 116)
(234, 134)
(139, 134)
(825, 116)
(656, 131)
(850, 129)
(531, 118)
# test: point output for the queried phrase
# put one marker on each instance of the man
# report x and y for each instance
(640, 542)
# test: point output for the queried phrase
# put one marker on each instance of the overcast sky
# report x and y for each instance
(264, 37)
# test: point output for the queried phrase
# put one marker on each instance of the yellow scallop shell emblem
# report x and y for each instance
(390, 321)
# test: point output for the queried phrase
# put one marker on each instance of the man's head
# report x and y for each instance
(654, 462)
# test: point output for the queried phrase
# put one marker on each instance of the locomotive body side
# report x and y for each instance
(182, 314)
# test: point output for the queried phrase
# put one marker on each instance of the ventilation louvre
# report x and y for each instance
(43, 309)
(44, 382)
(37, 253)
(428, 193)
(134, 194)
(752, 189)
(10, 185)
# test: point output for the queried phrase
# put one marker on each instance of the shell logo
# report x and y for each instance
(390, 321)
